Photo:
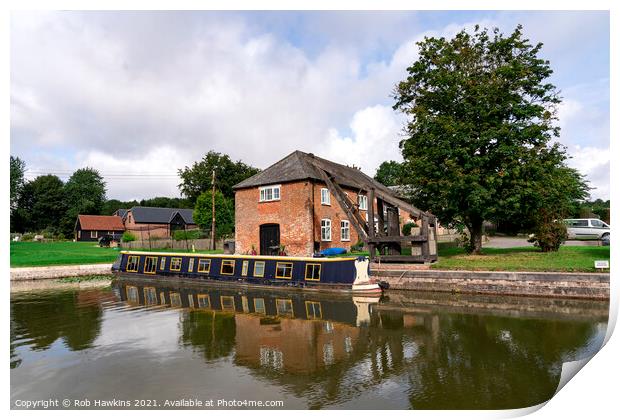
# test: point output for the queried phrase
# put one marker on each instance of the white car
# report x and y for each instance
(587, 229)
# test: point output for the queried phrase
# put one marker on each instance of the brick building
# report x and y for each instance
(307, 204)
(156, 222)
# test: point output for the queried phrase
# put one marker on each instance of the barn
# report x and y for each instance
(90, 228)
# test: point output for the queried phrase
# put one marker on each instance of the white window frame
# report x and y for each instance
(273, 190)
(326, 197)
(325, 225)
(362, 199)
(345, 226)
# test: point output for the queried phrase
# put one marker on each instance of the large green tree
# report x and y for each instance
(18, 168)
(390, 173)
(197, 178)
(481, 119)
(42, 204)
(224, 213)
(85, 193)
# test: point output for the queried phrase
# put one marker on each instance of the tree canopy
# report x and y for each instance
(85, 193)
(41, 205)
(224, 213)
(390, 173)
(481, 119)
(197, 178)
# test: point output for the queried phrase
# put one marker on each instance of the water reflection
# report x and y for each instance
(318, 350)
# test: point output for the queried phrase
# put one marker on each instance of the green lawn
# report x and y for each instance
(568, 258)
(33, 254)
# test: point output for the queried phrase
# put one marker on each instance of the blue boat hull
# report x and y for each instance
(348, 273)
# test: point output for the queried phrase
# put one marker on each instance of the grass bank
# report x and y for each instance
(567, 259)
(38, 254)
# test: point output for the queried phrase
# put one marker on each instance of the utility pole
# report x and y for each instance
(213, 210)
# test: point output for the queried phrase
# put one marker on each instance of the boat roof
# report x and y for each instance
(233, 256)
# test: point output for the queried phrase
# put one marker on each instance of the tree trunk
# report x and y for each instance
(475, 239)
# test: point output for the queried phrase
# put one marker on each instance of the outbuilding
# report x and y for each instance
(90, 228)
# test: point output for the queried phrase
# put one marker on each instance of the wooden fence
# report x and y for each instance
(198, 244)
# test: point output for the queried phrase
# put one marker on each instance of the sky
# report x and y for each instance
(138, 95)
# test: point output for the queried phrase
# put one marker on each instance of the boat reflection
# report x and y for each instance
(443, 351)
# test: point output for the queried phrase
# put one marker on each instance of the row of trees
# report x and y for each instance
(47, 203)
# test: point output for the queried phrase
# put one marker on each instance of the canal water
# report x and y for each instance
(148, 344)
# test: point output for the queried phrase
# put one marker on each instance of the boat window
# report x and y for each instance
(228, 267)
(150, 265)
(259, 305)
(204, 266)
(175, 264)
(326, 230)
(228, 303)
(259, 268)
(313, 272)
(284, 307)
(150, 296)
(190, 300)
(284, 270)
(204, 301)
(132, 263)
(175, 299)
(244, 268)
(162, 263)
(190, 268)
(244, 304)
(132, 294)
(313, 310)
(162, 298)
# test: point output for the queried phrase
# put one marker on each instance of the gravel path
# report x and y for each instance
(58, 271)
(509, 242)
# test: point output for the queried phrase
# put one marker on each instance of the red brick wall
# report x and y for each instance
(300, 227)
(292, 212)
(336, 214)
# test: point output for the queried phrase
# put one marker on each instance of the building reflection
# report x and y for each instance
(330, 348)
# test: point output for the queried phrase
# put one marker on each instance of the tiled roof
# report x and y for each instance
(160, 214)
(91, 222)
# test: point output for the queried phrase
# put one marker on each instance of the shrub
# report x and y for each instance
(549, 235)
(358, 246)
(182, 235)
(407, 228)
(28, 236)
(128, 237)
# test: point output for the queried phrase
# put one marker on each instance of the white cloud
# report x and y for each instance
(375, 133)
(154, 91)
(594, 163)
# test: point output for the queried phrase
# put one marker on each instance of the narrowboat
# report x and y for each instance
(341, 273)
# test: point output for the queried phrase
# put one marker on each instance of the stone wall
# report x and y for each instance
(567, 285)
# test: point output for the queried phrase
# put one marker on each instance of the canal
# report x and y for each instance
(149, 342)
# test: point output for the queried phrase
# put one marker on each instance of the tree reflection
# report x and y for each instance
(42, 319)
(210, 333)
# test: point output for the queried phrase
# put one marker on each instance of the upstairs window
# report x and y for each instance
(362, 200)
(270, 193)
(326, 230)
(325, 197)
(345, 231)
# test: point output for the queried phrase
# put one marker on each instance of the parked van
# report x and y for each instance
(587, 229)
